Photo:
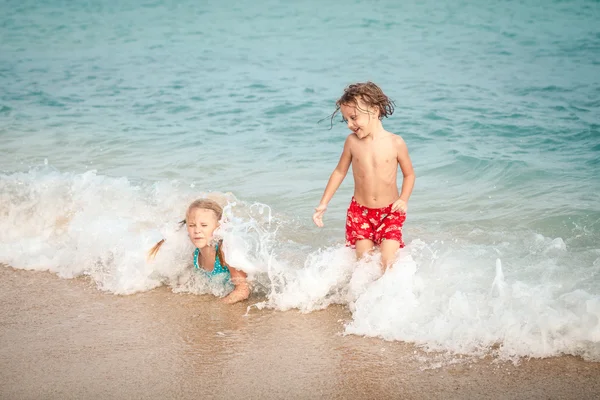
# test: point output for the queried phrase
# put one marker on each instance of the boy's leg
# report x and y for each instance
(358, 229)
(388, 253)
(363, 247)
(391, 238)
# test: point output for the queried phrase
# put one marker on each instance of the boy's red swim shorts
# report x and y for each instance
(376, 224)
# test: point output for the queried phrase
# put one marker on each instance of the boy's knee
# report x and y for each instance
(388, 258)
(386, 261)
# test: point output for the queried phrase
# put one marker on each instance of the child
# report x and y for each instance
(377, 211)
(202, 219)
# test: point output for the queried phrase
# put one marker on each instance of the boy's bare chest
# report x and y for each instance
(374, 155)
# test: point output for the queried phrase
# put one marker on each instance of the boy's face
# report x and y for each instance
(201, 223)
(359, 117)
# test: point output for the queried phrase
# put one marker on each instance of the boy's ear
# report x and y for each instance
(374, 110)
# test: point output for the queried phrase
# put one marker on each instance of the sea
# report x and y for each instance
(114, 116)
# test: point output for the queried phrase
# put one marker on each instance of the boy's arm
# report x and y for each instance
(408, 173)
(335, 180)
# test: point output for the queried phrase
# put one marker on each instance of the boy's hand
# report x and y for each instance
(399, 205)
(318, 215)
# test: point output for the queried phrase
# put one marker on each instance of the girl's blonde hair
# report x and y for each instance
(203, 204)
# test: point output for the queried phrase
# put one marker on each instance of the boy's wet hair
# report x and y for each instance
(370, 94)
(204, 204)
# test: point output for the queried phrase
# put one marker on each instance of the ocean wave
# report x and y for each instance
(509, 293)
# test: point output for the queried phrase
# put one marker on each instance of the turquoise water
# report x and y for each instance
(113, 116)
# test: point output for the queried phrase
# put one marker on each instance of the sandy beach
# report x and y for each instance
(64, 339)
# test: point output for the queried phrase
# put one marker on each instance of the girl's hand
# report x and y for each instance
(318, 215)
(241, 292)
(399, 205)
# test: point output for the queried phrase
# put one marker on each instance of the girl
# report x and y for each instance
(202, 219)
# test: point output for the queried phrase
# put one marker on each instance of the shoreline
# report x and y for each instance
(65, 339)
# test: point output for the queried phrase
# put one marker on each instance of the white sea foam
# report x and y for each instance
(535, 297)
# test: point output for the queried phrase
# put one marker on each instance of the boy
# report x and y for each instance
(377, 211)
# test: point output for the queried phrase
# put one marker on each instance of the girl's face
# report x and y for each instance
(201, 223)
(359, 118)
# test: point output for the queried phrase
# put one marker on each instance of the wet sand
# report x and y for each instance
(64, 339)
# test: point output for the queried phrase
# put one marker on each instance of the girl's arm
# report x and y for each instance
(238, 278)
(241, 291)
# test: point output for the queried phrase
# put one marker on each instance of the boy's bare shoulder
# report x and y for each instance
(396, 139)
(351, 139)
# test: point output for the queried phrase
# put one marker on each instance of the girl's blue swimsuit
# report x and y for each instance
(218, 268)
